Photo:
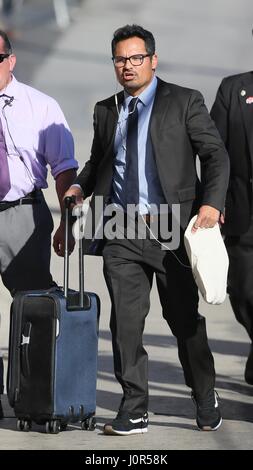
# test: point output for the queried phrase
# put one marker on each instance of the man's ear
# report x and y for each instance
(12, 61)
(154, 62)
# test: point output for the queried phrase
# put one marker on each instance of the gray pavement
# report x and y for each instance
(198, 43)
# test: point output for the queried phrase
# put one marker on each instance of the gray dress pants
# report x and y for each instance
(25, 249)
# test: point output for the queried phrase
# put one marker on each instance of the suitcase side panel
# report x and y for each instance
(35, 355)
(76, 361)
(13, 374)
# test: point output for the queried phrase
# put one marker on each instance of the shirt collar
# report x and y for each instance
(146, 96)
(11, 89)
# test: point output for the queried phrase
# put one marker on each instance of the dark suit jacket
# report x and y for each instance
(180, 128)
(234, 119)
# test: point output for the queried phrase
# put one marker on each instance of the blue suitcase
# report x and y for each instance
(53, 345)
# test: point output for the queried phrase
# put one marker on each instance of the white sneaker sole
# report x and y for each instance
(208, 428)
(109, 431)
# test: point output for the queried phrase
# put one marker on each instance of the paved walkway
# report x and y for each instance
(197, 45)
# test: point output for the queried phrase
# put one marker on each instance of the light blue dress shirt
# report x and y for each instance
(150, 192)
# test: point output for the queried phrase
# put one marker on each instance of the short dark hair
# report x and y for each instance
(7, 44)
(134, 30)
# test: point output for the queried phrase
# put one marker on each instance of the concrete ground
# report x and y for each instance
(198, 43)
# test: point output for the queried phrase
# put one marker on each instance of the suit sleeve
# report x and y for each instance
(219, 112)
(207, 143)
(88, 176)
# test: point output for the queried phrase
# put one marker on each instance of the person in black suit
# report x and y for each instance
(232, 112)
(155, 138)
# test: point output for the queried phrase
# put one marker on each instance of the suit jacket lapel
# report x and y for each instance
(159, 111)
(112, 118)
(246, 102)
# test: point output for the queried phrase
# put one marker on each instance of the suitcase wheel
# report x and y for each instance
(88, 424)
(24, 425)
(63, 426)
(53, 426)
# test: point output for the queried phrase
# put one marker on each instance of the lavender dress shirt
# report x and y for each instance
(36, 135)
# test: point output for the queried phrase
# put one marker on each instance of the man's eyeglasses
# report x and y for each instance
(3, 56)
(135, 60)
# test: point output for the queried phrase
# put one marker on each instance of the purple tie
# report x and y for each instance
(5, 183)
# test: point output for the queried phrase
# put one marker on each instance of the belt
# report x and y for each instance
(154, 219)
(147, 218)
(31, 198)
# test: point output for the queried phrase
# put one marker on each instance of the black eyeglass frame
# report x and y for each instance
(3, 56)
(125, 59)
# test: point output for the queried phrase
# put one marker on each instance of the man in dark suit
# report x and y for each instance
(144, 152)
(233, 114)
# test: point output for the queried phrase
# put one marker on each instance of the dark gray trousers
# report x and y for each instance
(240, 277)
(129, 266)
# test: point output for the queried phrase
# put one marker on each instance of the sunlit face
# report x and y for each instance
(6, 67)
(134, 78)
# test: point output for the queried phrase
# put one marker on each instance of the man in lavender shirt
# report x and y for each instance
(35, 135)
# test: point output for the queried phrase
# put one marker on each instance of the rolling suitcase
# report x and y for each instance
(53, 354)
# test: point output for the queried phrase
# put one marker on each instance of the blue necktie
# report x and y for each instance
(5, 183)
(132, 179)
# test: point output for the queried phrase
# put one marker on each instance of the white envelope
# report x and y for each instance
(209, 261)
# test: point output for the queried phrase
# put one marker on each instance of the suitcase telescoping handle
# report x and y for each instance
(68, 202)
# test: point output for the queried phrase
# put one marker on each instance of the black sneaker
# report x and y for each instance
(208, 413)
(1, 410)
(127, 423)
(248, 374)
